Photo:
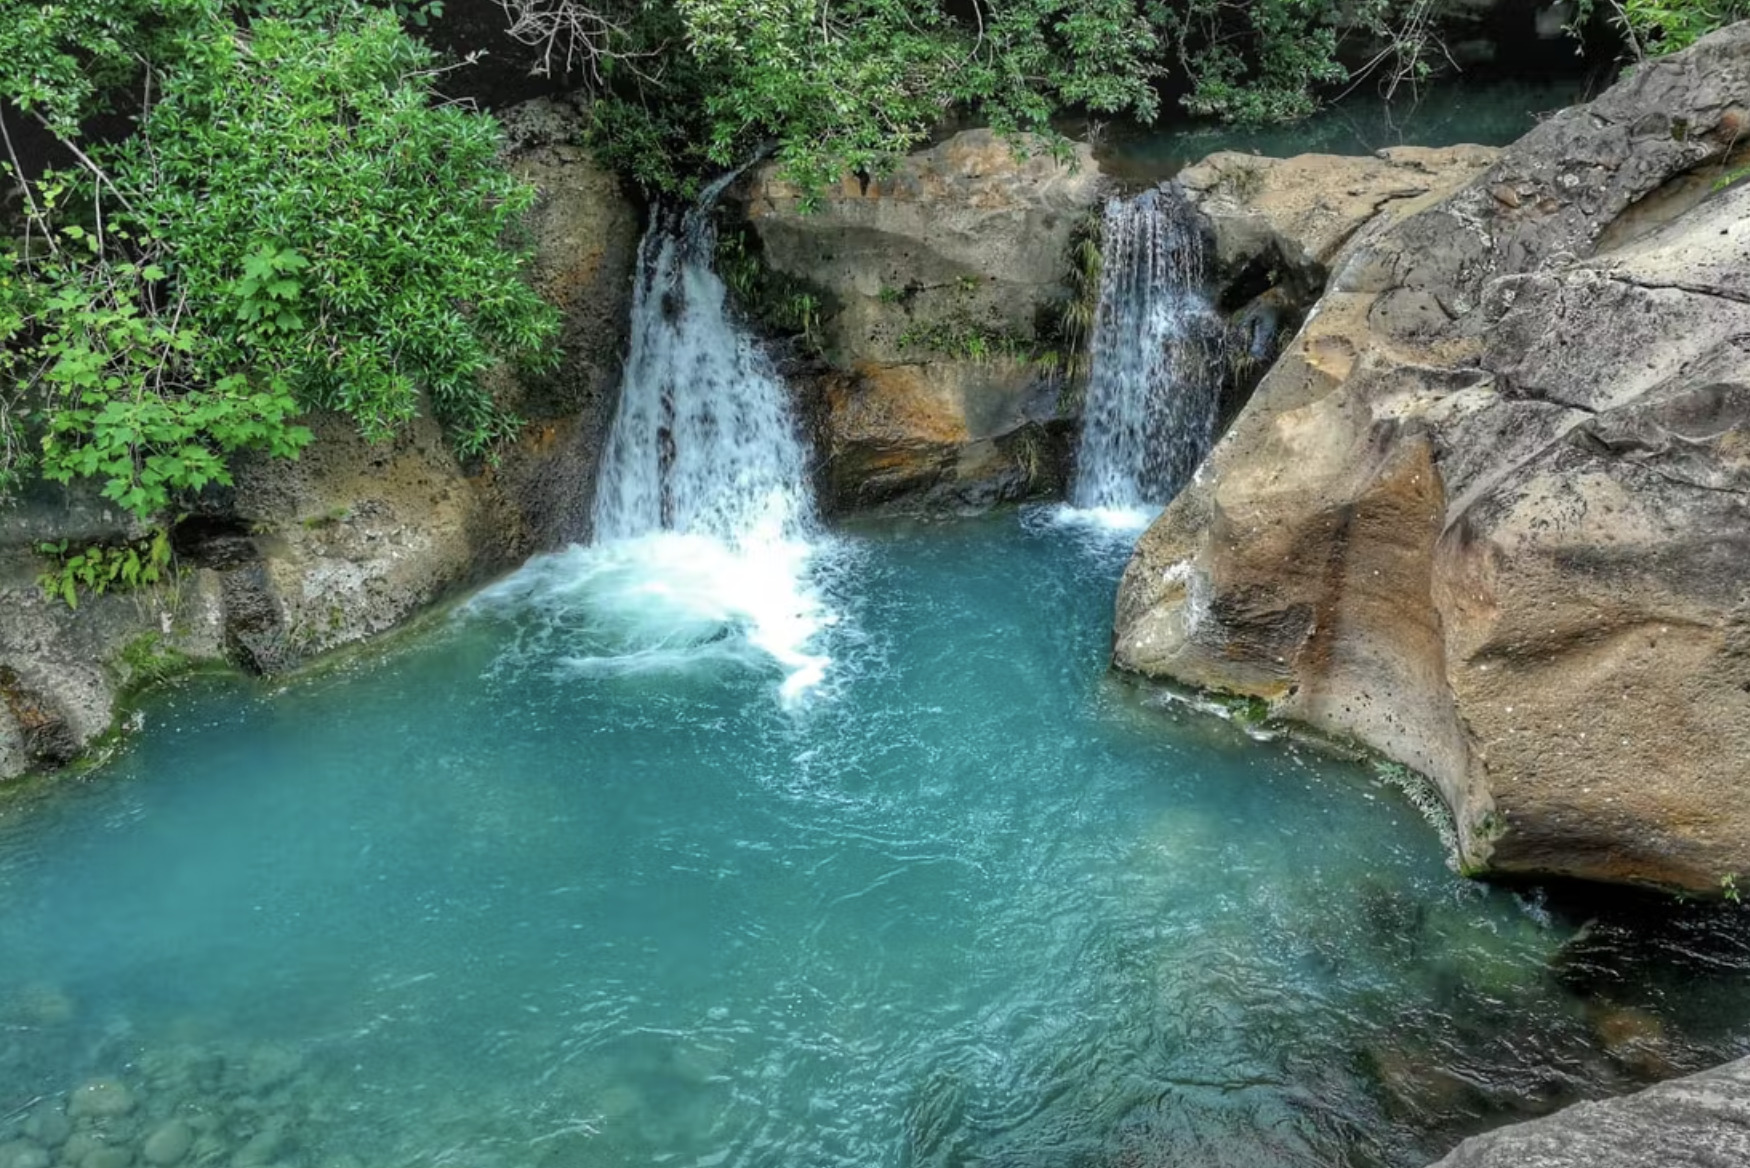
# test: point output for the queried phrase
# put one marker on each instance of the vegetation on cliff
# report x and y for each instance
(292, 222)
(260, 207)
(848, 86)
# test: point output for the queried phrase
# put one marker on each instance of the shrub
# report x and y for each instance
(294, 223)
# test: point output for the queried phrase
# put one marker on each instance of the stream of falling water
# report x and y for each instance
(706, 539)
(1154, 374)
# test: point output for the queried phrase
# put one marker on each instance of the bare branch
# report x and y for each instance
(571, 36)
(36, 214)
(97, 171)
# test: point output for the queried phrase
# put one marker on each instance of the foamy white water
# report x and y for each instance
(674, 600)
(706, 537)
(1113, 520)
(1155, 370)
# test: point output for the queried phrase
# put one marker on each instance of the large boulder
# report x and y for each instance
(353, 539)
(1282, 222)
(1702, 1121)
(1490, 511)
(941, 288)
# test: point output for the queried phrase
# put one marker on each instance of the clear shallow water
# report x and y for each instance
(973, 902)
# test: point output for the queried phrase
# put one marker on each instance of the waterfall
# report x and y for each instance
(703, 442)
(1154, 372)
(706, 542)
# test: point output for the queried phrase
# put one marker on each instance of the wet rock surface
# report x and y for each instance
(1488, 512)
(1702, 1121)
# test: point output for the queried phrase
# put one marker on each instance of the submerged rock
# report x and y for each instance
(48, 1125)
(939, 287)
(168, 1144)
(23, 1154)
(1489, 511)
(1701, 1121)
(101, 1099)
(108, 1156)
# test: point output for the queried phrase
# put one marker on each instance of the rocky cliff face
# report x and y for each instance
(1490, 511)
(1279, 224)
(351, 540)
(940, 286)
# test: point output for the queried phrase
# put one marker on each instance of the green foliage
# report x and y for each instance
(1257, 62)
(339, 230)
(800, 313)
(1076, 323)
(127, 404)
(1655, 28)
(848, 85)
(101, 568)
(329, 518)
(1732, 177)
(1246, 709)
(1729, 887)
(63, 60)
(295, 222)
(147, 660)
(775, 301)
(964, 340)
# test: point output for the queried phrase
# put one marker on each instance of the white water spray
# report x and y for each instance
(705, 530)
(1155, 373)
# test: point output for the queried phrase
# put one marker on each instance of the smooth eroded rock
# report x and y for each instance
(1294, 215)
(1702, 1121)
(1490, 510)
(101, 1099)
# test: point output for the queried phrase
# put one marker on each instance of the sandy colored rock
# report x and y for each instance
(1490, 509)
(1298, 213)
(585, 233)
(965, 246)
(928, 434)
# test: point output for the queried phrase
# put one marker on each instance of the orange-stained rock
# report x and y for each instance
(942, 284)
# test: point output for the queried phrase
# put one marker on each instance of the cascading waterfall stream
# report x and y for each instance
(703, 443)
(1154, 375)
(705, 529)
